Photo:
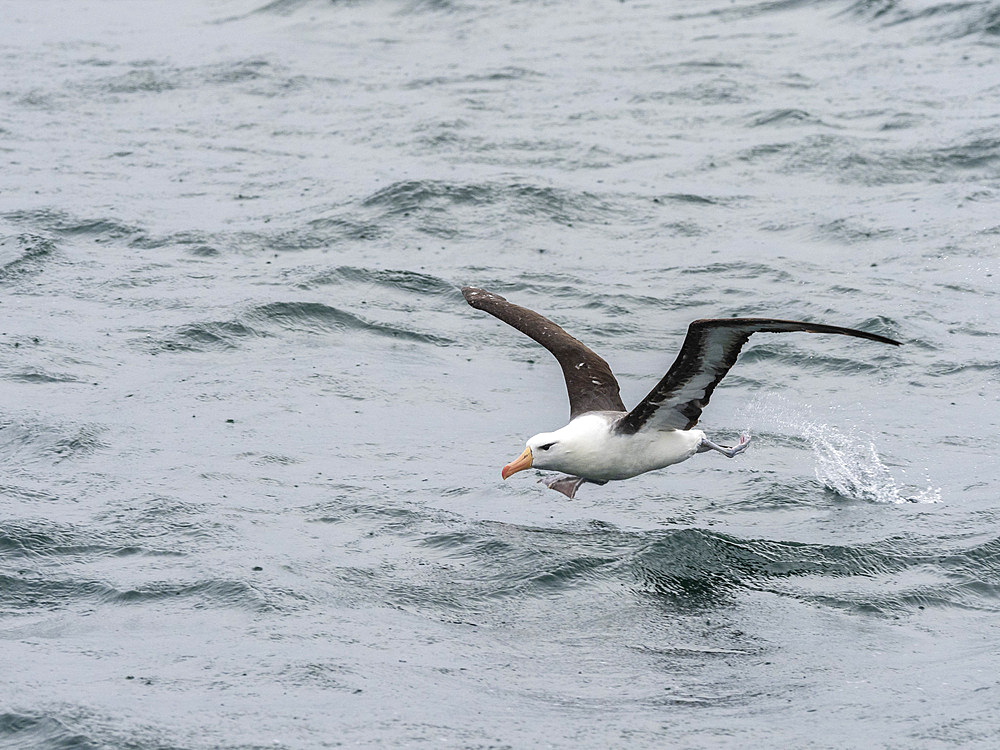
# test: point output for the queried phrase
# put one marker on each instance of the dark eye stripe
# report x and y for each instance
(545, 447)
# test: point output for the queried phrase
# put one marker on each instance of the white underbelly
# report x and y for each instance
(624, 456)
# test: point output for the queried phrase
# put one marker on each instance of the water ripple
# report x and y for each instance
(42, 731)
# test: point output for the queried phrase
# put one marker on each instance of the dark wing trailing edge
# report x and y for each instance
(710, 349)
(589, 381)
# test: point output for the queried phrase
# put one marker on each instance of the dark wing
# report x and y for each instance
(710, 349)
(589, 380)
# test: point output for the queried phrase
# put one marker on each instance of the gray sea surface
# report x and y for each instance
(251, 434)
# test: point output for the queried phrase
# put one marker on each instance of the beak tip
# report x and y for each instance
(521, 463)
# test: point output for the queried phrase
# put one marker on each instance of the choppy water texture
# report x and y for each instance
(251, 434)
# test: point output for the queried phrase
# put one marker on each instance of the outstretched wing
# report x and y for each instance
(589, 380)
(710, 349)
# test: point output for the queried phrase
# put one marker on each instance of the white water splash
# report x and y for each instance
(846, 463)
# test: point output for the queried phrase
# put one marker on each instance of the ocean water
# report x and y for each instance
(251, 434)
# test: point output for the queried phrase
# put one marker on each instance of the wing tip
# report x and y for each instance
(478, 297)
(807, 327)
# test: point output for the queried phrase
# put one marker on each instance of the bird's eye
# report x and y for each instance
(545, 447)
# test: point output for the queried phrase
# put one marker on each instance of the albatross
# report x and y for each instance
(605, 441)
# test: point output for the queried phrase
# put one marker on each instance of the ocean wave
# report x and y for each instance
(25, 442)
(316, 317)
(887, 577)
(68, 226)
(24, 254)
(206, 337)
(852, 159)
(40, 730)
(428, 199)
(27, 592)
(474, 571)
(948, 20)
(411, 282)
(269, 319)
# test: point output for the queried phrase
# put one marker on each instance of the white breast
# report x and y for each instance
(593, 451)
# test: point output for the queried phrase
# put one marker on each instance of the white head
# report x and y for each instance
(557, 450)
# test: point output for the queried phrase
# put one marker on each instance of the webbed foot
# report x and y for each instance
(725, 450)
(567, 485)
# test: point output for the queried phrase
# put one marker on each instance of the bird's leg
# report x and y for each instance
(708, 445)
(564, 484)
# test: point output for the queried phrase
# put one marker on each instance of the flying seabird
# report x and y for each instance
(605, 441)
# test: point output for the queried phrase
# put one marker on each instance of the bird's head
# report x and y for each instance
(546, 450)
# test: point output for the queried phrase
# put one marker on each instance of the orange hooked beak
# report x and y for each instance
(520, 463)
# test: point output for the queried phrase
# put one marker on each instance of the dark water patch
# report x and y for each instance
(407, 281)
(472, 572)
(22, 442)
(324, 675)
(39, 541)
(949, 20)
(428, 198)
(848, 232)
(870, 360)
(208, 337)
(924, 585)
(143, 80)
(159, 525)
(184, 238)
(475, 570)
(764, 151)
(766, 491)
(779, 117)
(38, 99)
(285, 7)
(153, 77)
(68, 226)
(25, 592)
(31, 538)
(432, 6)
(237, 72)
(84, 442)
(519, 566)
(320, 233)
(945, 369)
(28, 494)
(720, 90)
(40, 731)
(316, 317)
(204, 251)
(696, 66)
(206, 594)
(986, 554)
(300, 317)
(445, 588)
(269, 459)
(854, 160)
(331, 230)
(39, 376)
(903, 121)
(740, 270)
(895, 575)
(750, 9)
(689, 198)
(682, 229)
(393, 519)
(977, 153)
(509, 73)
(693, 567)
(24, 254)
